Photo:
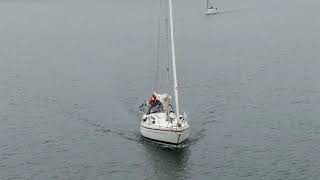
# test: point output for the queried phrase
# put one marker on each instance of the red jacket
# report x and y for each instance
(152, 100)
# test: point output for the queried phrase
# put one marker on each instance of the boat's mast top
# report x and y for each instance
(175, 84)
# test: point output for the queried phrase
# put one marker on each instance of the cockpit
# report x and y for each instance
(159, 108)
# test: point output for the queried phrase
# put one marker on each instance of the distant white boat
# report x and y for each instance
(159, 120)
(211, 9)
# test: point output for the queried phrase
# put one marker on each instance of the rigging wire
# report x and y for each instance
(168, 51)
(162, 79)
(166, 83)
(158, 49)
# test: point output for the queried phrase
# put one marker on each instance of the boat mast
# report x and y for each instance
(173, 54)
(207, 4)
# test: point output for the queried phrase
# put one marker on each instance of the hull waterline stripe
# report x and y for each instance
(166, 129)
(164, 142)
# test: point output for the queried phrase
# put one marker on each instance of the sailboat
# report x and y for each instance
(160, 122)
(211, 9)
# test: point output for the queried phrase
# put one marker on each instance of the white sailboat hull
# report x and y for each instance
(160, 127)
(211, 11)
(165, 136)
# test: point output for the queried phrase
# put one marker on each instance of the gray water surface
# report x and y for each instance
(73, 73)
